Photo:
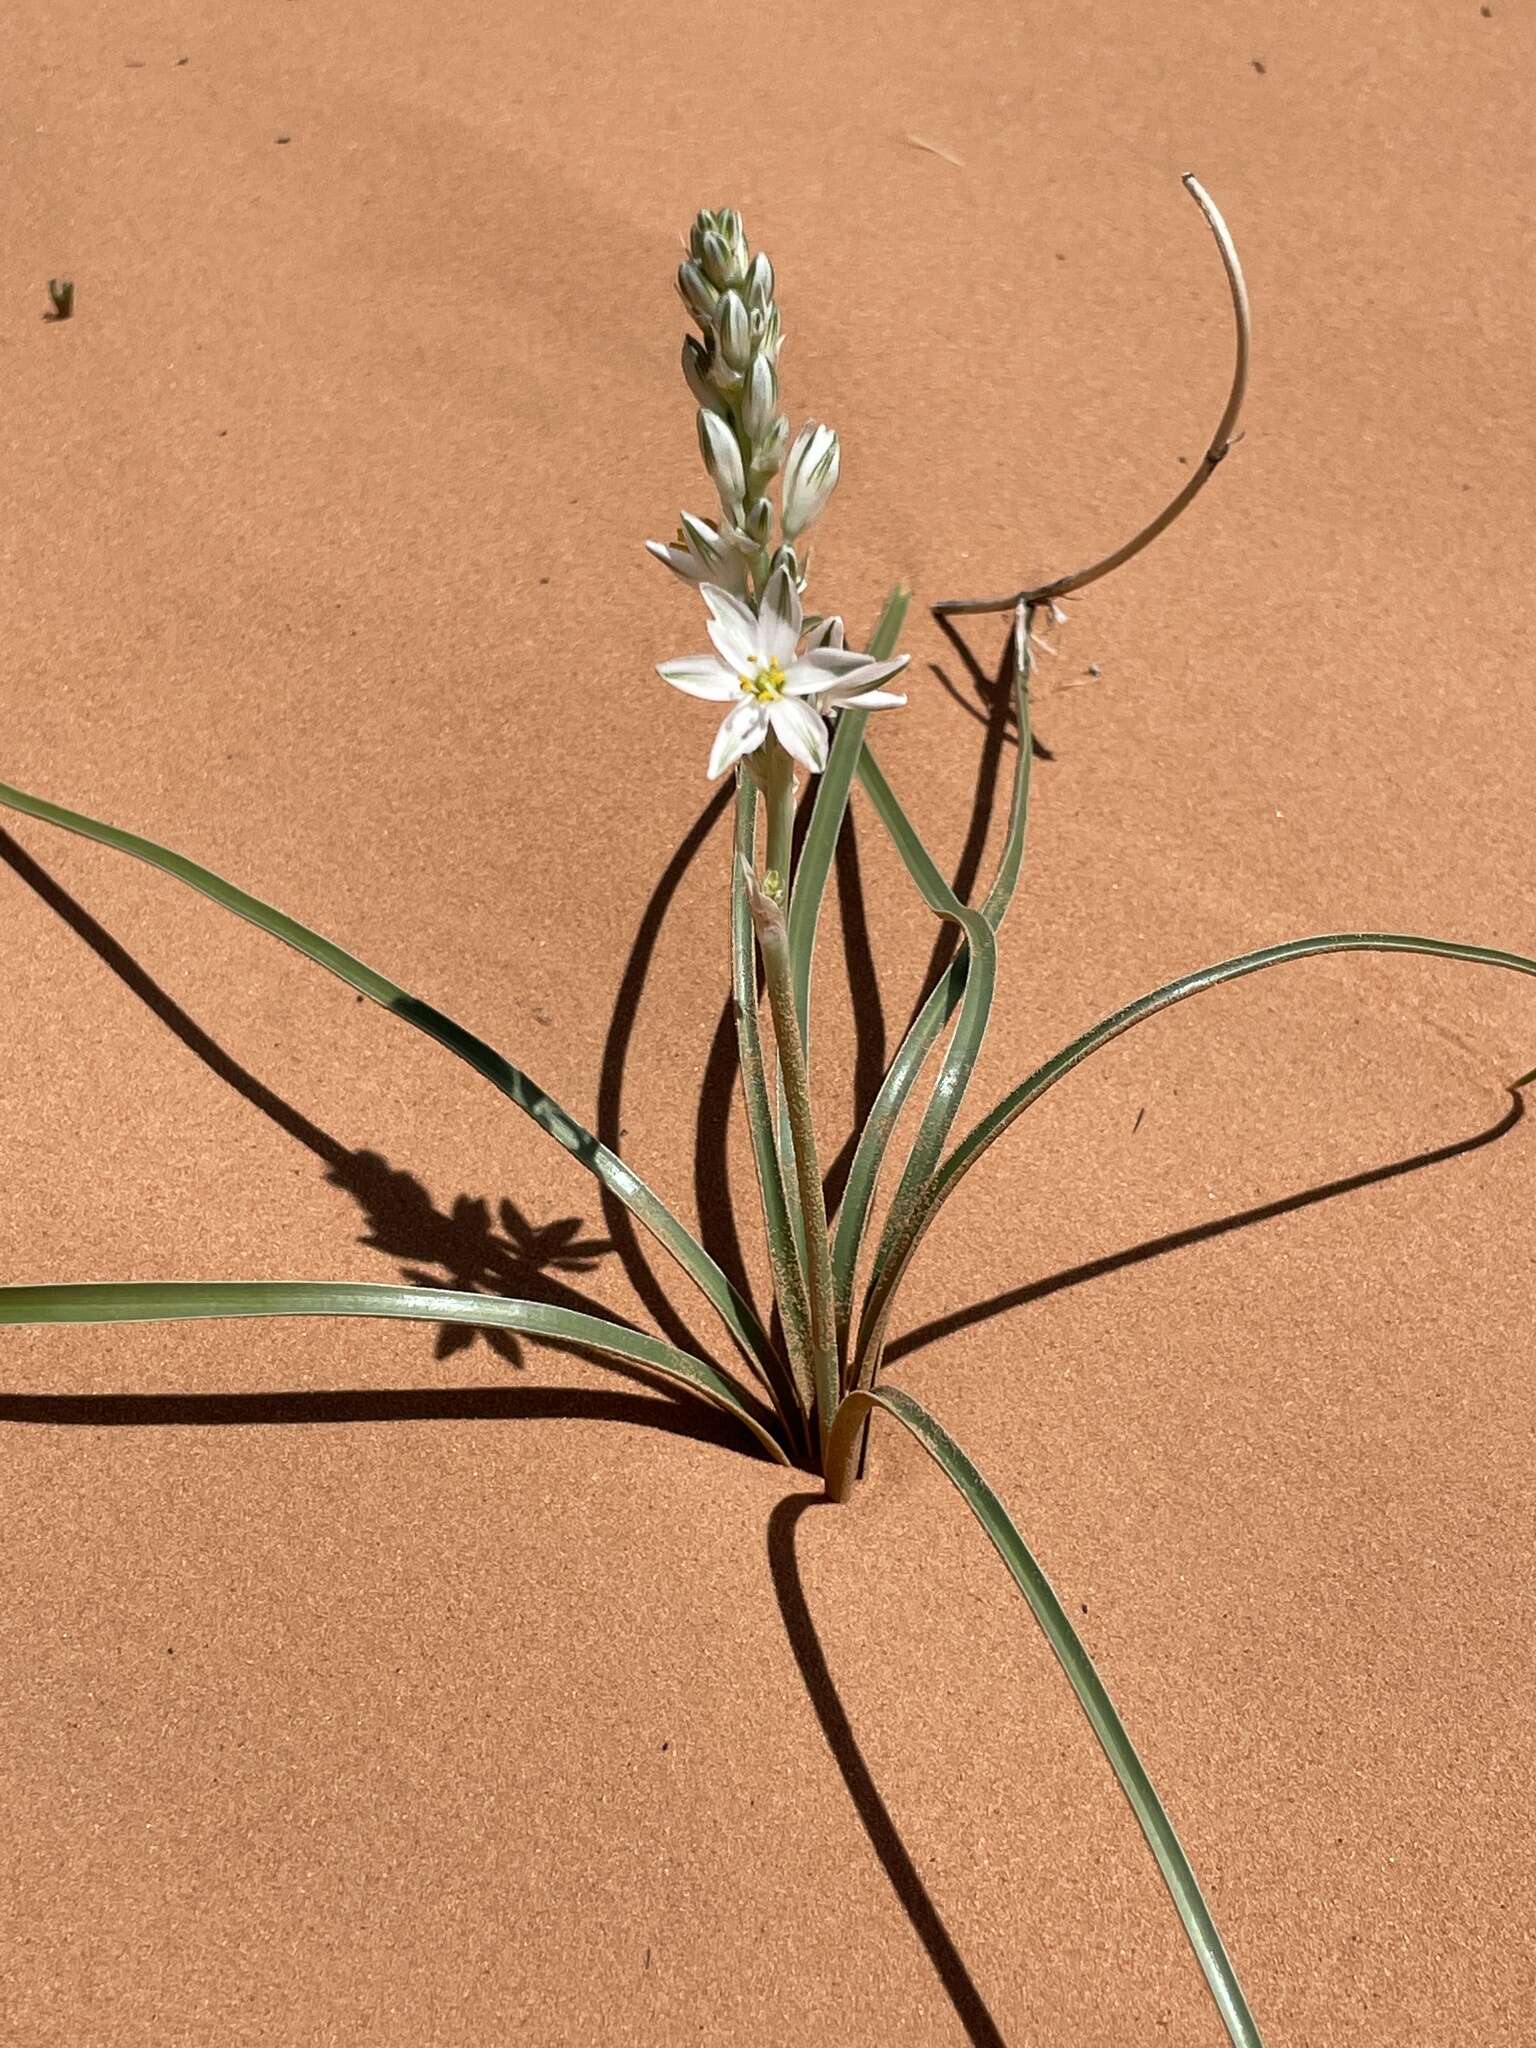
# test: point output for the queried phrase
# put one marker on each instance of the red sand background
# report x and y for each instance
(479, 1718)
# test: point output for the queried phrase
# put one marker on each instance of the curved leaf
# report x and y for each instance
(1013, 1105)
(169, 1301)
(827, 813)
(976, 1005)
(647, 1207)
(1077, 1664)
(943, 1000)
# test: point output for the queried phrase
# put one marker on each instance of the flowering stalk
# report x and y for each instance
(765, 897)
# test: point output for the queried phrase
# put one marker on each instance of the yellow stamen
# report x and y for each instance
(764, 681)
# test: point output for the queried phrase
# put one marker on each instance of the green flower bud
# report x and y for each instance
(757, 523)
(698, 294)
(785, 558)
(759, 292)
(768, 453)
(696, 367)
(760, 398)
(717, 260)
(731, 326)
(810, 477)
(722, 458)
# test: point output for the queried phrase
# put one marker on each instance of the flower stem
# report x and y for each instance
(773, 942)
(779, 784)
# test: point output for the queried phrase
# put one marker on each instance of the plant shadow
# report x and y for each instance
(874, 1815)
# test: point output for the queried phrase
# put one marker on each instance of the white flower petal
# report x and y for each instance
(827, 632)
(800, 732)
(806, 679)
(779, 617)
(727, 639)
(737, 634)
(700, 675)
(742, 730)
(833, 663)
(863, 700)
(705, 543)
(678, 560)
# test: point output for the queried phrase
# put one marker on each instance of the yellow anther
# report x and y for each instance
(764, 681)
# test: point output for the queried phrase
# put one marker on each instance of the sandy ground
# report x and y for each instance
(355, 1693)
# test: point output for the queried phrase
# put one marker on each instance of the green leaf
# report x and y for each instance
(943, 1000)
(827, 813)
(648, 1208)
(976, 1005)
(828, 809)
(171, 1301)
(1013, 1105)
(1081, 1675)
(797, 1399)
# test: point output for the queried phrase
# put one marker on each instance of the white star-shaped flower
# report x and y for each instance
(703, 554)
(772, 686)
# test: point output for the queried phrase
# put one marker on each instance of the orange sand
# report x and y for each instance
(355, 1695)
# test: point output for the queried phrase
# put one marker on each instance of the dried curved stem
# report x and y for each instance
(1221, 441)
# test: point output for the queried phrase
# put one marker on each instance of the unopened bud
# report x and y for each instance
(785, 558)
(757, 523)
(696, 367)
(722, 458)
(759, 399)
(768, 453)
(809, 477)
(717, 259)
(759, 291)
(731, 325)
(698, 294)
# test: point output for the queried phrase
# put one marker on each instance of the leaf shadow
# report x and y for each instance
(874, 1815)
(461, 1246)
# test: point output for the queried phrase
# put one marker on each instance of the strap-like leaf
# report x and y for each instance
(1077, 1664)
(943, 1000)
(993, 1125)
(168, 1301)
(827, 813)
(828, 809)
(976, 1005)
(735, 1311)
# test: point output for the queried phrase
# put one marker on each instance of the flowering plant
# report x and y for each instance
(794, 700)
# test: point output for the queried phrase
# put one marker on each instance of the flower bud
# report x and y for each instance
(731, 325)
(759, 399)
(698, 294)
(722, 458)
(725, 380)
(759, 292)
(809, 477)
(785, 558)
(757, 525)
(768, 453)
(696, 367)
(717, 259)
(771, 339)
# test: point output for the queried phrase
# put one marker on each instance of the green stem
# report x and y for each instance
(779, 779)
(773, 942)
(798, 1398)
